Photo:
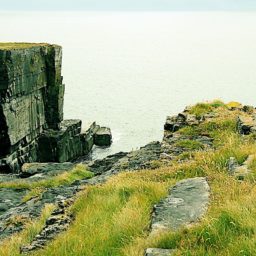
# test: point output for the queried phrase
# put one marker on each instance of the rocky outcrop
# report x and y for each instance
(38, 171)
(31, 109)
(103, 137)
(174, 123)
(247, 124)
(187, 202)
(148, 157)
(31, 100)
(58, 222)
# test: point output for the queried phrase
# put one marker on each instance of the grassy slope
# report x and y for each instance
(113, 219)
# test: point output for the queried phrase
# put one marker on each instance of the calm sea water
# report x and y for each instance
(129, 71)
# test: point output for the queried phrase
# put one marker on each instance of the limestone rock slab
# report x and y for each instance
(159, 252)
(187, 202)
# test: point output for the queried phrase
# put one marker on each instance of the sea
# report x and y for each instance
(129, 70)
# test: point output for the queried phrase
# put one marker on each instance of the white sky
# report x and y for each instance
(128, 5)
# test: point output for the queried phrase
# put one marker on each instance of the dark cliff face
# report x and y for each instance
(31, 102)
(31, 92)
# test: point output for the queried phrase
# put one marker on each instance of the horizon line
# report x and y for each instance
(122, 10)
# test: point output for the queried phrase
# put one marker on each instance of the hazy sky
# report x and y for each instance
(136, 5)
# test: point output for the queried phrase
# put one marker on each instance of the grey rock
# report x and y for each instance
(103, 137)
(158, 252)
(174, 123)
(240, 171)
(248, 109)
(187, 202)
(31, 110)
(44, 169)
(246, 124)
(58, 222)
(232, 165)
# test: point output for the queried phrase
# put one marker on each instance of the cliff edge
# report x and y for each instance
(31, 108)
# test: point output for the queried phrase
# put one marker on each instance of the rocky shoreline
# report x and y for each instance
(43, 158)
(174, 145)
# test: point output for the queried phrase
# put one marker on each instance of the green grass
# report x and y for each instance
(189, 144)
(114, 218)
(33, 193)
(12, 46)
(190, 131)
(11, 246)
(212, 238)
(201, 109)
(77, 173)
(109, 216)
(217, 129)
(217, 104)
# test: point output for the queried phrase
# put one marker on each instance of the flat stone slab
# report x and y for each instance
(39, 171)
(158, 252)
(187, 203)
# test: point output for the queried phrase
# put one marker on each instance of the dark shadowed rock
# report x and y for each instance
(249, 109)
(246, 124)
(174, 123)
(103, 137)
(31, 110)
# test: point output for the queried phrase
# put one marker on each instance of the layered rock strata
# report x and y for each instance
(31, 109)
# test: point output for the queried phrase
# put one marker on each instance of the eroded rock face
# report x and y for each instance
(27, 106)
(31, 110)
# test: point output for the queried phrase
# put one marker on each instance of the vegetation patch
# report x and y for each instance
(77, 173)
(114, 218)
(201, 109)
(11, 247)
(13, 46)
(189, 144)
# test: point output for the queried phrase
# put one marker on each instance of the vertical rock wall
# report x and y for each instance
(31, 99)
(31, 108)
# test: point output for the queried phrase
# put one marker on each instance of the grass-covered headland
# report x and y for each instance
(114, 218)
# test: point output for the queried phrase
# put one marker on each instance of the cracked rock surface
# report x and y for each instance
(187, 203)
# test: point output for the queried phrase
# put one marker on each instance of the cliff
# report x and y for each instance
(31, 109)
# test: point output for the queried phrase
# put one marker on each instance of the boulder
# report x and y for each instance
(174, 123)
(103, 137)
(246, 124)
